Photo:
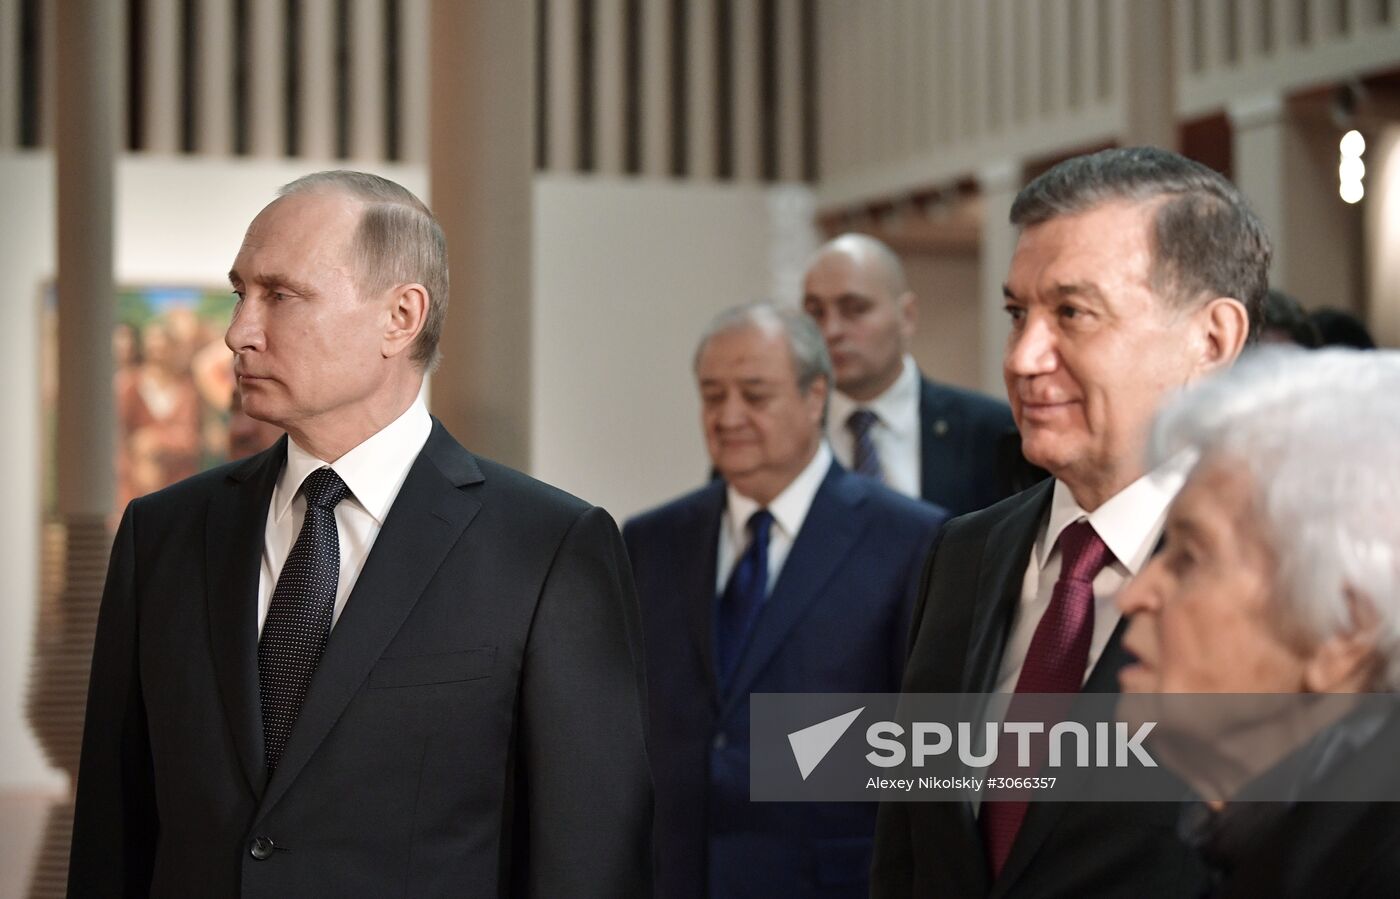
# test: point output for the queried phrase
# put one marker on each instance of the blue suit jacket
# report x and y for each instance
(836, 620)
(970, 449)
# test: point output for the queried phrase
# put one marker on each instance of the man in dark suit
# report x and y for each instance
(1277, 577)
(789, 575)
(363, 662)
(1134, 275)
(952, 447)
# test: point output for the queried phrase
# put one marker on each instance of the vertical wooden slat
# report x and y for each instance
(1008, 58)
(414, 38)
(1360, 16)
(608, 73)
(958, 66)
(563, 85)
(266, 100)
(1032, 67)
(1058, 28)
(367, 79)
(943, 116)
(161, 77)
(1251, 19)
(700, 106)
(9, 74)
(789, 90)
(316, 73)
(48, 74)
(214, 80)
(1213, 37)
(916, 60)
(894, 113)
(746, 108)
(656, 87)
(832, 87)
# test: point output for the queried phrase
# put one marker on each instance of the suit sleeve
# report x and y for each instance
(114, 820)
(588, 783)
(892, 869)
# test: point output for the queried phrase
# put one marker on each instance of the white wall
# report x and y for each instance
(627, 274)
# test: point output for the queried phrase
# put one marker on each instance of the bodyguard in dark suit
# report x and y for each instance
(789, 575)
(952, 447)
(1132, 277)
(363, 662)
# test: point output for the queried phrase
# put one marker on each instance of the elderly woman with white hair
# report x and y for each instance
(1280, 574)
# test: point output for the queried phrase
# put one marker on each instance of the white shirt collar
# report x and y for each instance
(897, 408)
(1128, 522)
(789, 508)
(374, 470)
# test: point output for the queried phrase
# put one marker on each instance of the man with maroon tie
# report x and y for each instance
(1136, 273)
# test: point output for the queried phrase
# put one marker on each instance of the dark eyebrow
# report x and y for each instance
(233, 278)
(273, 279)
(1083, 289)
(1008, 294)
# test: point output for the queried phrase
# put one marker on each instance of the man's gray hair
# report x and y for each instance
(1206, 240)
(398, 241)
(810, 360)
(1319, 434)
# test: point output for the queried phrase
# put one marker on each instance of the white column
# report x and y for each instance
(789, 90)
(700, 87)
(1258, 136)
(656, 88)
(414, 35)
(367, 79)
(161, 77)
(214, 80)
(482, 87)
(1382, 251)
(745, 110)
(316, 71)
(266, 108)
(608, 74)
(999, 183)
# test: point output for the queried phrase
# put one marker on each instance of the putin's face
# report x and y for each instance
(308, 345)
(761, 428)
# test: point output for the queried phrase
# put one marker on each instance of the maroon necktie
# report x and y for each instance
(1055, 662)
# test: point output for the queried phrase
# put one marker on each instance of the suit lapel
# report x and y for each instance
(930, 412)
(828, 534)
(1007, 553)
(697, 555)
(424, 523)
(234, 531)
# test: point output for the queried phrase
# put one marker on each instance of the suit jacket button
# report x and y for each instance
(261, 849)
(721, 740)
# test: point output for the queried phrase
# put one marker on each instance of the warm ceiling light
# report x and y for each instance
(1353, 144)
(1351, 191)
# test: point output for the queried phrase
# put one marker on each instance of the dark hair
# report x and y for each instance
(1336, 327)
(1207, 241)
(1286, 316)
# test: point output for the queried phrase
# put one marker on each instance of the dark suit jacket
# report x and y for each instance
(835, 621)
(1309, 849)
(968, 600)
(971, 450)
(475, 726)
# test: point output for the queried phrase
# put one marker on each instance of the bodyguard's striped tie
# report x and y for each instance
(299, 619)
(866, 459)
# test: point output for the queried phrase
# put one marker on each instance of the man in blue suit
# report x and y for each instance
(788, 574)
(955, 448)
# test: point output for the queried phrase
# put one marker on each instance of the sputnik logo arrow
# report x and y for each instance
(811, 744)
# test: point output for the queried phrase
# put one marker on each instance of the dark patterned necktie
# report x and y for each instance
(1055, 663)
(743, 596)
(866, 458)
(299, 619)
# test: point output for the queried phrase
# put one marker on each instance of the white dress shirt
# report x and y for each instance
(789, 509)
(895, 432)
(1130, 524)
(374, 471)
